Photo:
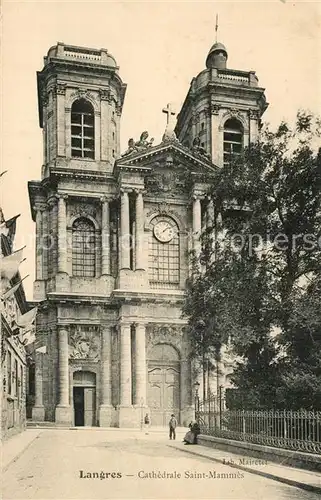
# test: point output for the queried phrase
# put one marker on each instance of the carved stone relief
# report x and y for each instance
(168, 181)
(84, 343)
(83, 210)
(164, 334)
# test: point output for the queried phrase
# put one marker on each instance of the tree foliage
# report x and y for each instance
(258, 285)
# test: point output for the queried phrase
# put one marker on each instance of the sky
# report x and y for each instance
(160, 47)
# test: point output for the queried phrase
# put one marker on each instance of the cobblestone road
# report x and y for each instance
(63, 464)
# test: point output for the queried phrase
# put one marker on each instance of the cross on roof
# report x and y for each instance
(169, 112)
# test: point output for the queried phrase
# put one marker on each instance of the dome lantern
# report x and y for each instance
(217, 56)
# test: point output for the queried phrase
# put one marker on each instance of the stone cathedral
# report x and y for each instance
(114, 232)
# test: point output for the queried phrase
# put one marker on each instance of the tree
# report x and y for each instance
(256, 273)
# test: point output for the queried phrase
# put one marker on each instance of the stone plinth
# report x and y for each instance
(106, 415)
(39, 290)
(187, 414)
(132, 280)
(38, 413)
(63, 415)
(62, 282)
(129, 416)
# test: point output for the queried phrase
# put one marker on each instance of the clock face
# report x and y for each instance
(163, 231)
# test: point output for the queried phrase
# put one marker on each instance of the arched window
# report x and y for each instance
(164, 261)
(82, 130)
(83, 248)
(233, 139)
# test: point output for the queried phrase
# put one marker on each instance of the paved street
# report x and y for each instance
(64, 464)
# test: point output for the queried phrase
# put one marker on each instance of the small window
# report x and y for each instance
(82, 130)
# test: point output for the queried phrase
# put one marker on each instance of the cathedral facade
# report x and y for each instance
(115, 234)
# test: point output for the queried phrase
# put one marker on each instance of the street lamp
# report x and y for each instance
(197, 400)
(141, 413)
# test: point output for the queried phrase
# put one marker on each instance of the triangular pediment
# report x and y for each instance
(167, 155)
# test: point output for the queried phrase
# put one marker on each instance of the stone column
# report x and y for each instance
(197, 224)
(140, 349)
(210, 213)
(62, 234)
(38, 411)
(125, 366)
(39, 243)
(106, 365)
(105, 409)
(124, 231)
(140, 264)
(45, 241)
(63, 409)
(105, 237)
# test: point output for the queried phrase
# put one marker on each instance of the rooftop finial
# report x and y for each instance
(169, 134)
(216, 28)
(169, 112)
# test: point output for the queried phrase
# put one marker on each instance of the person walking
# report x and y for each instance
(172, 427)
(147, 423)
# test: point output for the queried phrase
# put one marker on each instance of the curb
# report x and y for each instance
(18, 455)
(280, 479)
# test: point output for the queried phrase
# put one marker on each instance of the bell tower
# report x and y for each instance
(222, 109)
(80, 100)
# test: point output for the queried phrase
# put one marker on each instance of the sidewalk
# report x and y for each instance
(12, 448)
(306, 480)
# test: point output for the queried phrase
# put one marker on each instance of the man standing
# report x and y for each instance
(172, 427)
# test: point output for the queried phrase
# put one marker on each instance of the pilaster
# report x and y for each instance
(140, 368)
(39, 284)
(38, 411)
(105, 237)
(62, 279)
(125, 365)
(197, 226)
(60, 90)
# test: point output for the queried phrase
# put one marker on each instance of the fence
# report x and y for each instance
(294, 430)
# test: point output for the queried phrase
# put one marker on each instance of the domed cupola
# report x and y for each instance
(217, 56)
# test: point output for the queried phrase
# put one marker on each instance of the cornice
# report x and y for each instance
(71, 298)
(79, 174)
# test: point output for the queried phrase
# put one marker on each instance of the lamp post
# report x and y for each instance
(220, 403)
(197, 400)
(141, 413)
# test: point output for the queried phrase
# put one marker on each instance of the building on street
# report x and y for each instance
(13, 355)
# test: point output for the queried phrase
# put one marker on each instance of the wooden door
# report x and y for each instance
(163, 393)
(89, 406)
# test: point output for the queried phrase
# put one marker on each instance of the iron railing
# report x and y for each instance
(295, 430)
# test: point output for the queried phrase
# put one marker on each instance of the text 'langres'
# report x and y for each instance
(99, 475)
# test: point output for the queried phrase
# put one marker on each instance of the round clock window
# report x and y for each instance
(164, 231)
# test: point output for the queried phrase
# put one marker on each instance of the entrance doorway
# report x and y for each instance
(84, 398)
(163, 384)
